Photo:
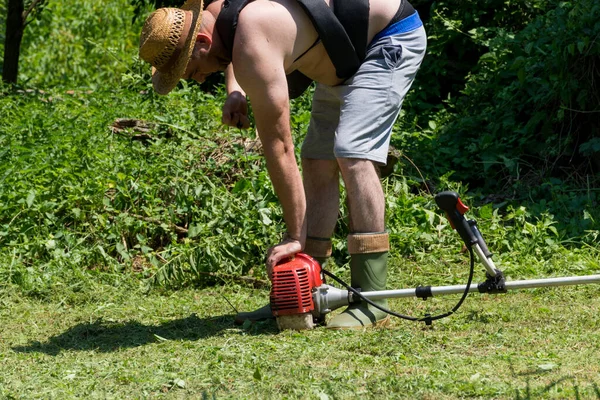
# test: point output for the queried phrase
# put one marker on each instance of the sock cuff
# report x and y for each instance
(317, 247)
(362, 243)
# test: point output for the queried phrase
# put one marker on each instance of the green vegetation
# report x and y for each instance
(519, 88)
(132, 225)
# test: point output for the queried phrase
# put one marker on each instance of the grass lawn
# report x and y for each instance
(118, 342)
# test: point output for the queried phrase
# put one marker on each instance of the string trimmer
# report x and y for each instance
(300, 298)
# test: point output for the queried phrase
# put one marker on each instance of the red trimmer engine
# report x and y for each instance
(293, 284)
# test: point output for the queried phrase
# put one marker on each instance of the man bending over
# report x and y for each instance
(363, 55)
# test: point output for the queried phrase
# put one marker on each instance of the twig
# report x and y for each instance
(15, 217)
(26, 13)
(419, 172)
(581, 111)
(235, 310)
(451, 25)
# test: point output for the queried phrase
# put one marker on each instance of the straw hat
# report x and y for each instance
(167, 42)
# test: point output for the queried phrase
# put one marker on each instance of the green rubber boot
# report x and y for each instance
(368, 270)
(321, 248)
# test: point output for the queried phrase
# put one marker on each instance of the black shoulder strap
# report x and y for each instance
(227, 20)
(354, 16)
(334, 37)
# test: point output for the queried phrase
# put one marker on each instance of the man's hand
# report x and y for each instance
(235, 111)
(287, 248)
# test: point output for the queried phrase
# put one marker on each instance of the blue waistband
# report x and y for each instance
(406, 25)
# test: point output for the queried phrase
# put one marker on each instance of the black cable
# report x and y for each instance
(426, 319)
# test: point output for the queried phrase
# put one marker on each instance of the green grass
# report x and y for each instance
(121, 342)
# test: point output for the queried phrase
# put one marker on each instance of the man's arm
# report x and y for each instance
(235, 108)
(258, 62)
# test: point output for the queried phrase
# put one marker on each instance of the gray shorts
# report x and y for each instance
(355, 119)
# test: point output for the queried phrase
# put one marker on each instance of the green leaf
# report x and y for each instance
(521, 75)
(194, 230)
(180, 383)
(257, 375)
(160, 338)
(547, 366)
(146, 249)
(241, 186)
(265, 214)
(30, 198)
(486, 211)
(247, 324)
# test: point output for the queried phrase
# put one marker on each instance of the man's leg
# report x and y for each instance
(366, 201)
(322, 189)
(321, 174)
(370, 103)
(368, 243)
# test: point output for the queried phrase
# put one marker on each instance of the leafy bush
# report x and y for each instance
(89, 45)
(458, 34)
(529, 108)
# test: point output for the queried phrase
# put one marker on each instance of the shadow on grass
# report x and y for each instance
(106, 336)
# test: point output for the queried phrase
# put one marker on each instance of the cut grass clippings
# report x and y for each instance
(123, 343)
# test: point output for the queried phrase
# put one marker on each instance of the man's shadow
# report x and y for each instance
(105, 336)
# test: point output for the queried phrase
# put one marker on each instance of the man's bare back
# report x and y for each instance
(296, 34)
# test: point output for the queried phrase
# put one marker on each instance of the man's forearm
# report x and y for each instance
(231, 84)
(287, 182)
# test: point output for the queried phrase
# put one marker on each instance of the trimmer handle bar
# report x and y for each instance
(455, 209)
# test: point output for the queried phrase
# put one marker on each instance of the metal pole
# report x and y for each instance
(458, 289)
(489, 265)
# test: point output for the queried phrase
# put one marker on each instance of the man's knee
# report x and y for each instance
(320, 170)
(350, 167)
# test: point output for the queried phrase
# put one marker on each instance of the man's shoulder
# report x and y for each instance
(265, 19)
(265, 13)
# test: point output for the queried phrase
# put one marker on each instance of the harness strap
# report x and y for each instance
(334, 37)
(227, 21)
(297, 83)
(354, 16)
